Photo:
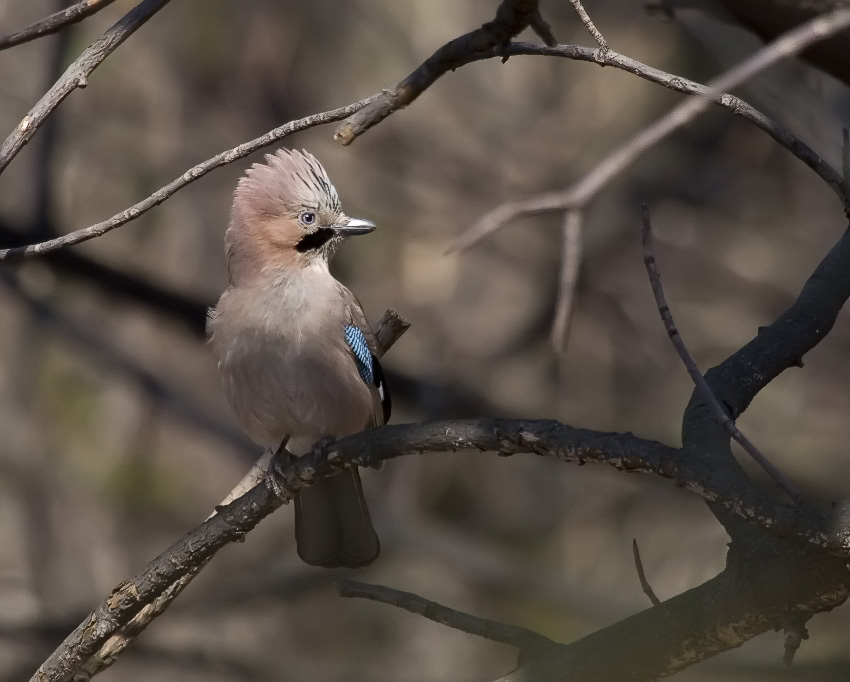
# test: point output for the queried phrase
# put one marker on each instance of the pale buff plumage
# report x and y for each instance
(277, 333)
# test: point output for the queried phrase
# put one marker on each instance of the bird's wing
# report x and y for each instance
(363, 346)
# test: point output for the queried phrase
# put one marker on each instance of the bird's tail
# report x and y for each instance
(332, 523)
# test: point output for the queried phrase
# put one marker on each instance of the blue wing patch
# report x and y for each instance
(356, 340)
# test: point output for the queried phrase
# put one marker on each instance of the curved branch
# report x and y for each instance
(76, 76)
(623, 451)
(53, 23)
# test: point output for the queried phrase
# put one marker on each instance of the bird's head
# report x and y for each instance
(286, 213)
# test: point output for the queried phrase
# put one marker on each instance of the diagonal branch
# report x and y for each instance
(76, 76)
(693, 370)
(512, 16)
(53, 23)
(179, 183)
(525, 640)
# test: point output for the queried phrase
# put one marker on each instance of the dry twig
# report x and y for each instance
(644, 583)
(53, 23)
(522, 638)
(570, 267)
(696, 375)
(589, 25)
(76, 76)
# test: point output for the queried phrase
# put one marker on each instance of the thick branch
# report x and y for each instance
(76, 76)
(53, 23)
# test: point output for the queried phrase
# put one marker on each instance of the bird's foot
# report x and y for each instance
(274, 474)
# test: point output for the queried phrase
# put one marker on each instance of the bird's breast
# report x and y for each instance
(285, 366)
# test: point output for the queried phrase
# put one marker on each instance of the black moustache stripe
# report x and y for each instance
(315, 240)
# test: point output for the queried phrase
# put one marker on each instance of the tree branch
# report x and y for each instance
(581, 193)
(512, 16)
(53, 23)
(527, 641)
(691, 366)
(76, 76)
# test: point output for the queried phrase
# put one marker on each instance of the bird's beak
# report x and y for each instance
(354, 226)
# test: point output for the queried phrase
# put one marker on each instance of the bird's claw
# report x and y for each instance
(274, 473)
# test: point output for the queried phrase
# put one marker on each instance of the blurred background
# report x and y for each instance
(115, 437)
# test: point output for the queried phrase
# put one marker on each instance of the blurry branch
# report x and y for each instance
(770, 18)
(76, 76)
(186, 178)
(53, 23)
(570, 266)
(527, 641)
(644, 583)
(512, 17)
(589, 25)
(696, 375)
(580, 194)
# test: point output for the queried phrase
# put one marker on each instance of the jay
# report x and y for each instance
(295, 352)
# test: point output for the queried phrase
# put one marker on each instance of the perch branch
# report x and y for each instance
(53, 23)
(76, 76)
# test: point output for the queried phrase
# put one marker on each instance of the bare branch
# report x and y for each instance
(76, 76)
(694, 371)
(570, 267)
(589, 25)
(512, 16)
(186, 178)
(582, 192)
(644, 583)
(522, 638)
(53, 23)
(624, 452)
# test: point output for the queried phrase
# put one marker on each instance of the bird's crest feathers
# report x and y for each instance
(287, 182)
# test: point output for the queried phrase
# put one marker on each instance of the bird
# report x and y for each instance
(296, 355)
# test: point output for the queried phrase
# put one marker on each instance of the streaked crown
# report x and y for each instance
(287, 183)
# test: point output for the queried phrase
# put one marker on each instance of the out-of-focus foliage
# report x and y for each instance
(100, 471)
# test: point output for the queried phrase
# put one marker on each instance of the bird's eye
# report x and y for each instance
(307, 218)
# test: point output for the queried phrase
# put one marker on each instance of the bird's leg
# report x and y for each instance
(279, 457)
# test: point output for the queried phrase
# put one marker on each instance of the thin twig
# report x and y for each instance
(570, 267)
(76, 76)
(53, 23)
(589, 25)
(644, 583)
(186, 178)
(581, 193)
(694, 371)
(512, 16)
(495, 631)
